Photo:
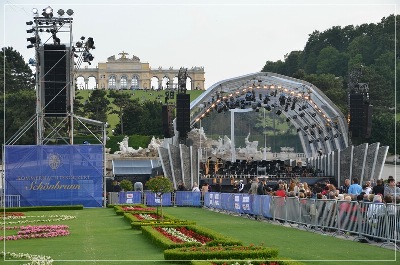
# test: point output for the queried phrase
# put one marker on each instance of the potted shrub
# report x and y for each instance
(126, 185)
(160, 185)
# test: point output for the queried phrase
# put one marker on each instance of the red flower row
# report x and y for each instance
(12, 214)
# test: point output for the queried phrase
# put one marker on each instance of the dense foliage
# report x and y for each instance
(329, 56)
(18, 101)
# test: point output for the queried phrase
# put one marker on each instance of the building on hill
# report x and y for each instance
(131, 73)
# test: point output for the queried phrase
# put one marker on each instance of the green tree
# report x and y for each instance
(18, 75)
(18, 100)
(160, 185)
(132, 118)
(97, 106)
(121, 100)
(18, 107)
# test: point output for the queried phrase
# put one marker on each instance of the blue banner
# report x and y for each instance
(127, 197)
(153, 200)
(49, 175)
(187, 198)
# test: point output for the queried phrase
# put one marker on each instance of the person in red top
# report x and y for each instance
(281, 191)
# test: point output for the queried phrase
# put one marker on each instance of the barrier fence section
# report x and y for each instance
(364, 220)
(10, 201)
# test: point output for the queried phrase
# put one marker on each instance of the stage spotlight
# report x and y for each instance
(48, 12)
(90, 43)
(32, 40)
(298, 129)
(301, 114)
(313, 115)
(268, 107)
(305, 128)
(29, 23)
(60, 12)
(70, 12)
(294, 117)
(35, 11)
(30, 30)
(278, 112)
(287, 119)
(326, 138)
(30, 46)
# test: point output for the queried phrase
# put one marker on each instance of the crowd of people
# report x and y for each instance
(388, 191)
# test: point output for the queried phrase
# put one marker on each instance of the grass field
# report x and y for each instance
(99, 236)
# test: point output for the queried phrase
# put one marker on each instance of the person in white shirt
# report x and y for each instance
(195, 187)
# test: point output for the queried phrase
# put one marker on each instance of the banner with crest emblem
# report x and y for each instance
(48, 175)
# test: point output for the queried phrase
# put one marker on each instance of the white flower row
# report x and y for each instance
(180, 235)
(34, 259)
(146, 216)
(52, 218)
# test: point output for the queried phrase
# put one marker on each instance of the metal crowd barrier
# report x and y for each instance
(363, 220)
(10, 201)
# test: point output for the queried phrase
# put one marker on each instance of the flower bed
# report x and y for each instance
(220, 252)
(20, 219)
(184, 236)
(136, 208)
(36, 231)
(138, 220)
(35, 259)
(9, 214)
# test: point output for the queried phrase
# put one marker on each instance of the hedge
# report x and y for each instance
(272, 261)
(221, 253)
(44, 208)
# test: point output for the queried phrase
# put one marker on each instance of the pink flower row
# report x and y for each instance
(39, 231)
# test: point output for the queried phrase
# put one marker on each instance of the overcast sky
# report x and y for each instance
(229, 38)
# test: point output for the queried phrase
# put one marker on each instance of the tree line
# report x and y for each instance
(329, 57)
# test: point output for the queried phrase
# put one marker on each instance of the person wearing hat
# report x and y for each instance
(391, 189)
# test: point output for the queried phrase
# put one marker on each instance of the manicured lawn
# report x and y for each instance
(99, 234)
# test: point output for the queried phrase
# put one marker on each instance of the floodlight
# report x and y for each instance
(60, 12)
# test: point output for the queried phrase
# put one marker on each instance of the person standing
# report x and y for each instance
(379, 188)
(391, 189)
(355, 188)
(345, 188)
(254, 186)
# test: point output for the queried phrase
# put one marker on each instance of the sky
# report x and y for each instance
(228, 38)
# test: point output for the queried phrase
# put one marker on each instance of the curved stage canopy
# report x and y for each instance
(320, 124)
